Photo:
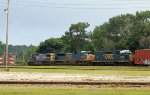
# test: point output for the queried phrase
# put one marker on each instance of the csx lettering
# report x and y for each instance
(108, 56)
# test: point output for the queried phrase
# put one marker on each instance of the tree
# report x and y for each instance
(140, 31)
(144, 42)
(77, 37)
(51, 45)
(123, 32)
(31, 50)
(1, 49)
(99, 34)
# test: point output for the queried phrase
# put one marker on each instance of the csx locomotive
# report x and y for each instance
(117, 57)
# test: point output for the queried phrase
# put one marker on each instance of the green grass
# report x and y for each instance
(110, 70)
(72, 91)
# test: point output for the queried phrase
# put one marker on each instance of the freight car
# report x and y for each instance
(11, 60)
(1, 59)
(118, 57)
(142, 57)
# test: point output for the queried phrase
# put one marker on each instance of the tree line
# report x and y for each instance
(122, 32)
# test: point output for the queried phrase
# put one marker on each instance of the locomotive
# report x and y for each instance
(117, 57)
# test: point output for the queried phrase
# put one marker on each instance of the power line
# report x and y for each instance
(78, 4)
(129, 0)
(31, 4)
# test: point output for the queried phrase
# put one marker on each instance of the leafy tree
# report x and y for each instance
(31, 50)
(51, 45)
(99, 34)
(77, 37)
(123, 32)
(144, 42)
(1, 48)
(108, 44)
(142, 29)
(89, 46)
(17, 50)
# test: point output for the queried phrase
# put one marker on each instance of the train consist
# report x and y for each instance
(118, 57)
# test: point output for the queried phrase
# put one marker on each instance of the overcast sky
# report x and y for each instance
(33, 21)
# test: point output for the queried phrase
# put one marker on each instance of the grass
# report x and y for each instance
(110, 70)
(72, 91)
(46, 90)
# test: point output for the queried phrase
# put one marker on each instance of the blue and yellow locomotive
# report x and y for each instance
(118, 57)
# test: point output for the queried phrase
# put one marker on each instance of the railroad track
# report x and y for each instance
(108, 84)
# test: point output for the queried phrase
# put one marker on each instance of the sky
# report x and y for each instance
(33, 21)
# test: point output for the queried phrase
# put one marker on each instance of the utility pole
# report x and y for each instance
(7, 29)
(23, 58)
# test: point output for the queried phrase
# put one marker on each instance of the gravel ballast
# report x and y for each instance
(59, 77)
